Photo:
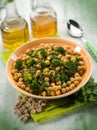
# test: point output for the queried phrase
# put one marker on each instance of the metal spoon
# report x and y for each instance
(76, 30)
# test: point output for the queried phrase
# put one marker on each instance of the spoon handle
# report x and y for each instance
(91, 49)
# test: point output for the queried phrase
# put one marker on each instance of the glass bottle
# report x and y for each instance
(43, 19)
(2, 5)
(14, 29)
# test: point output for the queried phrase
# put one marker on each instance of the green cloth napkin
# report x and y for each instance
(59, 107)
(5, 55)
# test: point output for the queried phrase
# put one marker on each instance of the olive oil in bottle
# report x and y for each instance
(43, 26)
(43, 19)
(14, 29)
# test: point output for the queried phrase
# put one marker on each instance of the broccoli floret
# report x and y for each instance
(27, 77)
(60, 50)
(53, 55)
(55, 77)
(43, 52)
(36, 86)
(56, 62)
(70, 67)
(43, 64)
(32, 70)
(33, 53)
(19, 64)
(63, 77)
(31, 62)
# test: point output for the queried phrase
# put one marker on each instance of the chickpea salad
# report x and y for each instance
(49, 70)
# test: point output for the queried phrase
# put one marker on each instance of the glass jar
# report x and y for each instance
(43, 19)
(14, 29)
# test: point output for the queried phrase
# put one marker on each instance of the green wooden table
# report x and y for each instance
(85, 12)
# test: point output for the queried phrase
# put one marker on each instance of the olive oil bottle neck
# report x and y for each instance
(11, 11)
(41, 4)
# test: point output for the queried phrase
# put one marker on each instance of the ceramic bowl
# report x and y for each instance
(55, 41)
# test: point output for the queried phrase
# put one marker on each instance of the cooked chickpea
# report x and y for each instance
(46, 74)
(72, 79)
(73, 58)
(65, 60)
(76, 83)
(81, 72)
(67, 89)
(62, 58)
(64, 85)
(59, 56)
(69, 51)
(19, 75)
(19, 83)
(40, 56)
(36, 60)
(52, 93)
(52, 84)
(38, 72)
(47, 62)
(23, 86)
(27, 89)
(24, 55)
(15, 77)
(63, 90)
(58, 68)
(20, 79)
(50, 88)
(59, 86)
(46, 79)
(77, 75)
(68, 83)
(25, 58)
(81, 62)
(68, 56)
(58, 83)
(78, 78)
(44, 93)
(15, 74)
(81, 68)
(14, 71)
(45, 70)
(71, 86)
(48, 58)
(38, 66)
(58, 92)
(52, 72)
(55, 88)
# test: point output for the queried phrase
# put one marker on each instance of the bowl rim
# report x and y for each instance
(13, 57)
